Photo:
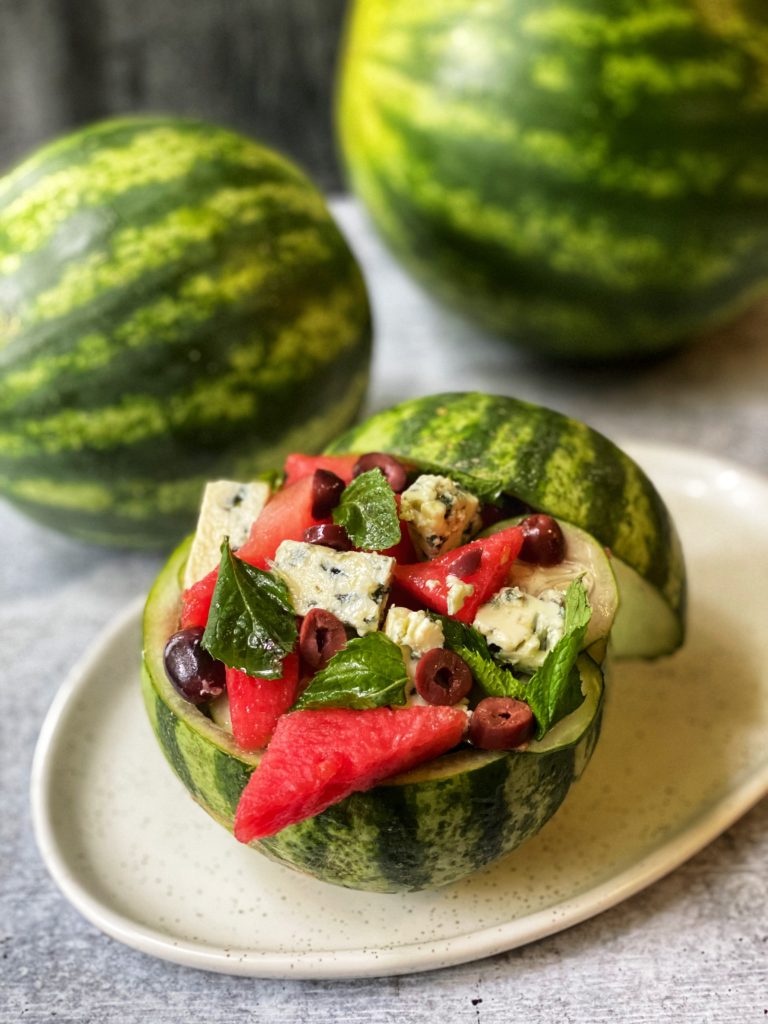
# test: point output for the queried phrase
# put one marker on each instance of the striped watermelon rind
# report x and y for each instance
(427, 828)
(176, 304)
(556, 465)
(575, 176)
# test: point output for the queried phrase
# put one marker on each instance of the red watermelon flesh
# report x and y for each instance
(286, 516)
(196, 600)
(317, 758)
(428, 581)
(255, 705)
(298, 466)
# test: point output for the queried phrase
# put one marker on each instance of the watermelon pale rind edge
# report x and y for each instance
(560, 466)
(424, 829)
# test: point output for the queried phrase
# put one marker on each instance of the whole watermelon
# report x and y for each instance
(589, 177)
(176, 304)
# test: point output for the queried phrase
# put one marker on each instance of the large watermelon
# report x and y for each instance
(446, 818)
(588, 176)
(176, 304)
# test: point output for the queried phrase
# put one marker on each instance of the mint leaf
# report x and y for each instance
(252, 624)
(470, 644)
(368, 673)
(274, 477)
(492, 678)
(368, 512)
(460, 635)
(554, 690)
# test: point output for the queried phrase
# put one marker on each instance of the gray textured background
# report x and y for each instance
(692, 949)
(263, 66)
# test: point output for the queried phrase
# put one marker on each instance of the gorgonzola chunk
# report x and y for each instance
(440, 514)
(353, 585)
(523, 628)
(414, 630)
(228, 510)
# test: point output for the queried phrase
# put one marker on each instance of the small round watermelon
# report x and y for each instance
(462, 809)
(585, 178)
(176, 305)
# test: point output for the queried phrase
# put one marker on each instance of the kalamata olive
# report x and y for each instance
(543, 541)
(466, 563)
(393, 470)
(193, 672)
(500, 723)
(326, 491)
(329, 535)
(320, 637)
(442, 677)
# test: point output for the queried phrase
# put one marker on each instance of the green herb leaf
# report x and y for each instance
(368, 673)
(252, 624)
(460, 635)
(470, 644)
(368, 512)
(554, 690)
(274, 477)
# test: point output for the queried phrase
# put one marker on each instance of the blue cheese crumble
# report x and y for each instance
(414, 630)
(440, 514)
(458, 592)
(353, 585)
(416, 633)
(228, 510)
(522, 628)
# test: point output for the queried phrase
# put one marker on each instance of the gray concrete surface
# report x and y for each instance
(691, 949)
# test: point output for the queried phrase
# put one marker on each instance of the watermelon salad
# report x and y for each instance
(360, 618)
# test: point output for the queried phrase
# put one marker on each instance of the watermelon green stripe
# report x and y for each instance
(229, 778)
(185, 447)
(137, 417)
(591, 182)
(540, 154)
(181, 307)
(166, 723)
(555, 307)
(137, 250)
(68, 150)
(400, 849)
(31, 273)
(625, 253)
(151, 156)
(30, 477)
(140, 510)
(621, 253)
(488, 839)
(551, 462)
(215, 309)
(426, 828)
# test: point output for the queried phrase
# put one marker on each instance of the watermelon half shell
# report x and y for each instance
(445, 819)
(426, 828)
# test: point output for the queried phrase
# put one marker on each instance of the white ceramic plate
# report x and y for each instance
(682, 755)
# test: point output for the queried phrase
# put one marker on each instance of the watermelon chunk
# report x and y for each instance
(428, 581)
(255, 705)
(298, 466)
(286, 516)
(317, 758)
(196, 600)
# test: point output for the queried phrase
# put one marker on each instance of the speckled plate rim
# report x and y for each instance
(397, 959)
